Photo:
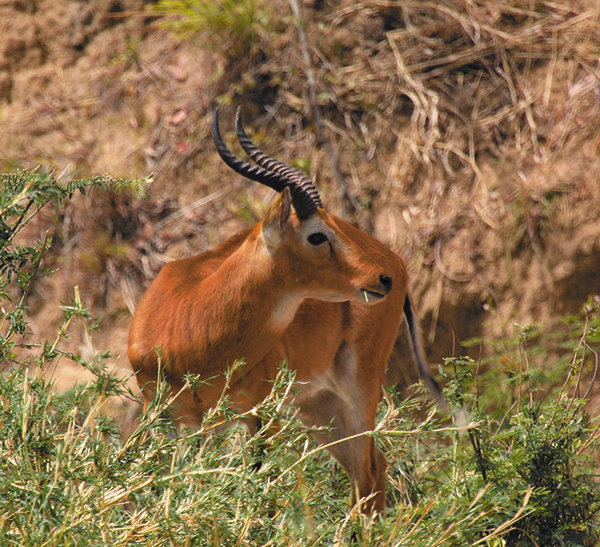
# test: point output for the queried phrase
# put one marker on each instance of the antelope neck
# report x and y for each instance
(256, 290)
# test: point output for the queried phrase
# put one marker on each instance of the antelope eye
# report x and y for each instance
(317, 238)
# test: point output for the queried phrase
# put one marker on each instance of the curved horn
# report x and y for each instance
(295, 176)
(269, 178)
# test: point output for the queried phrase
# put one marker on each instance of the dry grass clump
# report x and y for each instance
(481, 76)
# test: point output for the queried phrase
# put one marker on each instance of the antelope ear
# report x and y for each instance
(277, 218)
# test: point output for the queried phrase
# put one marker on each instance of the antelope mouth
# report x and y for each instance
(371, 295)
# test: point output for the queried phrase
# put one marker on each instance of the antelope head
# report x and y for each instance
(319, 254)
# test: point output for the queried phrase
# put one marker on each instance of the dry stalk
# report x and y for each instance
(312, 87)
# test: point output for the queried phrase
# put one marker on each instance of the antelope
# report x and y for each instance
(301, 286)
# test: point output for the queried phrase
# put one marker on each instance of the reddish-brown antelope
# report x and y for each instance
(301, 285)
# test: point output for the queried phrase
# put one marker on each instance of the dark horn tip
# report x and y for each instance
(269, 171)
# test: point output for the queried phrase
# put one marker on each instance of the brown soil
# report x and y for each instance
(472, 152)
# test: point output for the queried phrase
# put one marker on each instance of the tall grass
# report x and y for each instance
(516, 467)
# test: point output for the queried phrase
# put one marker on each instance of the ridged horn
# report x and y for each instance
(271, 179)
(274, 165)
(301, 188)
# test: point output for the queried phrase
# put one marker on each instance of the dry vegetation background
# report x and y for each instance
(467, 134)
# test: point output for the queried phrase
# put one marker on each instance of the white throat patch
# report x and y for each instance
(284, 311)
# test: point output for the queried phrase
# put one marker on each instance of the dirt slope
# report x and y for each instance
(468, 139)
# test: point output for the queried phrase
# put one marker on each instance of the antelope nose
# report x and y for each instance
(386, 283)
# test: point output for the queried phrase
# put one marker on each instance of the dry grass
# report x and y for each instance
(484, 71)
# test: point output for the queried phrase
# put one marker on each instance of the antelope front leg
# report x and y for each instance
(349, 412)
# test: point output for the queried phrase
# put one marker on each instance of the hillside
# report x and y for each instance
(467, 140)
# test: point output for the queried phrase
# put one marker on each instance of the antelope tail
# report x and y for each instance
(415, 339)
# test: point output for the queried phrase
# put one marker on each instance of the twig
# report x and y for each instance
(312, 90)
(595, 370)
(444, 271)
(185, 210)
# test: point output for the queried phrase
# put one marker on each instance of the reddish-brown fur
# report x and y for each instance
(264, 296)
